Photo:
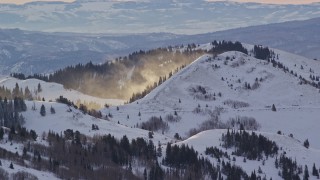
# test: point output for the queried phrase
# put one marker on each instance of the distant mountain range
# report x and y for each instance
(37, 52)
(174, 16)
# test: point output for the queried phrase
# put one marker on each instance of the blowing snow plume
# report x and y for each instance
(133, 76)
(125, 76)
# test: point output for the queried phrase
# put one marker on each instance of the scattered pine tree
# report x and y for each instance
(43, 110)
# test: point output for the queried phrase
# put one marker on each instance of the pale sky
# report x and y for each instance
(27, 1)
(258, 1)
(275, 1)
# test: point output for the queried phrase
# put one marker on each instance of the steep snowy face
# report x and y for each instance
(243, 78)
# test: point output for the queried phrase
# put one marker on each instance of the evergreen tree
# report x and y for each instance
(159, 150)
(33, 135)
(306, 173)
(150, 134)
(273, 108)
(77, 137)
(24, 151)
(145, 174)
(156, 173)
(27, 93)
(15, 91)
(315, 171)
(253, 176)
(43, 110)
(33, 108)
(177, 136)
(276, 163)
(52, 110)
(1, 133)
(306, 143)
(39, 87)
(11, 166)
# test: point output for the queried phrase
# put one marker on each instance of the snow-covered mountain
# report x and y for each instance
(198, 87)
(213, 93)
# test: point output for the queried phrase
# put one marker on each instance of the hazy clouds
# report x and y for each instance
(27, 1)
(274, 1)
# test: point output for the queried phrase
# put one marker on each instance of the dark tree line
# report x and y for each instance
(251, 146)
(234, 172)
(224, 46)
(289, 169)
(216, 152)
(186, 164)
(16, 92)
(263, 53)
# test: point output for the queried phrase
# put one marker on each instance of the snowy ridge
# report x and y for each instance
(297, 105)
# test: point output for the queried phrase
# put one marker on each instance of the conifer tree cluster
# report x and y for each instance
(216, 152)
(224, 46)
(16, 92)
(10, 112)
(261, 52)
(185, 159)
(252, 146)
(289, 169)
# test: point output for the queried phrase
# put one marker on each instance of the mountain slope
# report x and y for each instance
(211, 93)
(292, 148)
(199, 85)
